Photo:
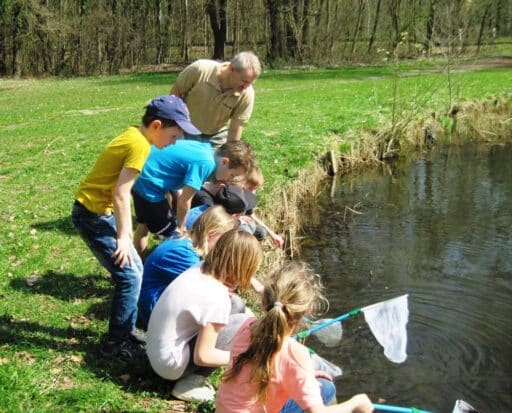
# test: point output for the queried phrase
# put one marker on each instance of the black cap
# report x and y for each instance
(232, 198)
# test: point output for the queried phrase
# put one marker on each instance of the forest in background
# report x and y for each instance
(94, 37)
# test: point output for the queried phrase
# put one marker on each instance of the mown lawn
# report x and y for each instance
(54, 295)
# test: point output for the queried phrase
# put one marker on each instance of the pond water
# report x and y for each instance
(440, 229)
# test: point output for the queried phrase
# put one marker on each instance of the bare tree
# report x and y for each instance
(374, 27)
(216, 10)
(87, 37)
(485, 15)
(274, 39)
(185, 38)
(357, 27)
(394, 10)
(236, 27)
(430, 24)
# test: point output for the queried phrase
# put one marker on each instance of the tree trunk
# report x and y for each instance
(394, 9)
(481, 31)
(273, 49)
(412, 29)
(374, 27)
(236, 28)
(161, 31)
(294, 23)
(185, 41)
(3, 53)
(430, 24)
(305, 26)
(499, 12)
(17, 29)
(218, 24)
(357, 27)
(332, 14)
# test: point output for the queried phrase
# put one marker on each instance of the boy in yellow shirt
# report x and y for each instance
(102, 212)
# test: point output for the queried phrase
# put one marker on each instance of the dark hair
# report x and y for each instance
(239, 153)
(149, 117)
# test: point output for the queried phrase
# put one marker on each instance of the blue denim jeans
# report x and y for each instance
(100, 235)
(328, 390)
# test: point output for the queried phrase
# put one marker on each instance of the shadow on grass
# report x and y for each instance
(31, 340)
(64, 225)
(21, 335)
(65, 287)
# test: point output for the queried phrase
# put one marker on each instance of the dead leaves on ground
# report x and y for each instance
(78, 321)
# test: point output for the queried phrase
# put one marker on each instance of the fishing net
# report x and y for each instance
(387, 321)
(329, 336)
(319, 363)
(463, 407)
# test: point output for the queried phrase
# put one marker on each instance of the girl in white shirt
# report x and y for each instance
(186, 325)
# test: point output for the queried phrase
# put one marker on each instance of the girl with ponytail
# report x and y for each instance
(269, 371)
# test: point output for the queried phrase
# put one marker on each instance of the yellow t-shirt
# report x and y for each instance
(128, 150)
(211, 109)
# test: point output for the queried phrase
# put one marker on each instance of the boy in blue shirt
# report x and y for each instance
(185, 166)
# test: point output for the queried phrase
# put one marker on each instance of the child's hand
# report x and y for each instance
(278, 240)
(323, 374)
(123, 252)
(246, 219)
(362, 404)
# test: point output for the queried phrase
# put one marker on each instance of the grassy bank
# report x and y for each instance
(54, 293)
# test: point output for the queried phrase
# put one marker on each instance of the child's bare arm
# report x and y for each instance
(205, 352)
(183, 205)
(257, 286)
(123, 214)
(276, 238)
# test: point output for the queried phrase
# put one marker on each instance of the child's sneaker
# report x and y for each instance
(193, 387)
(124, 350)
(138, 336)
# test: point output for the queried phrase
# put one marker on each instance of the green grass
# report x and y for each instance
(51, 132)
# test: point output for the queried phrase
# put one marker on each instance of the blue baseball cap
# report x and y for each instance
(172, 107)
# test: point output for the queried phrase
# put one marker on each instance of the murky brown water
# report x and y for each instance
(440, 229)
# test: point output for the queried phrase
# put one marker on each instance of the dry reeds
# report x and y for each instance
(285, 213)
(489, 120)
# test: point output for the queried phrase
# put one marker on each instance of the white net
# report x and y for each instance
(387, 321)
(329, 336)
(319, 363)
(463, 407)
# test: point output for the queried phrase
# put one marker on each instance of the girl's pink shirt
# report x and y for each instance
(294, 378)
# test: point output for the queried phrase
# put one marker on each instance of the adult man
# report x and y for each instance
(219, 96)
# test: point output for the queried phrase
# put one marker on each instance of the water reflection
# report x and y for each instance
(440, 229)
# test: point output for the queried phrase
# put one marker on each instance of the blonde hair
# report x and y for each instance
(291, 292)
(235, 259)
(254, 177)
(214, 219)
